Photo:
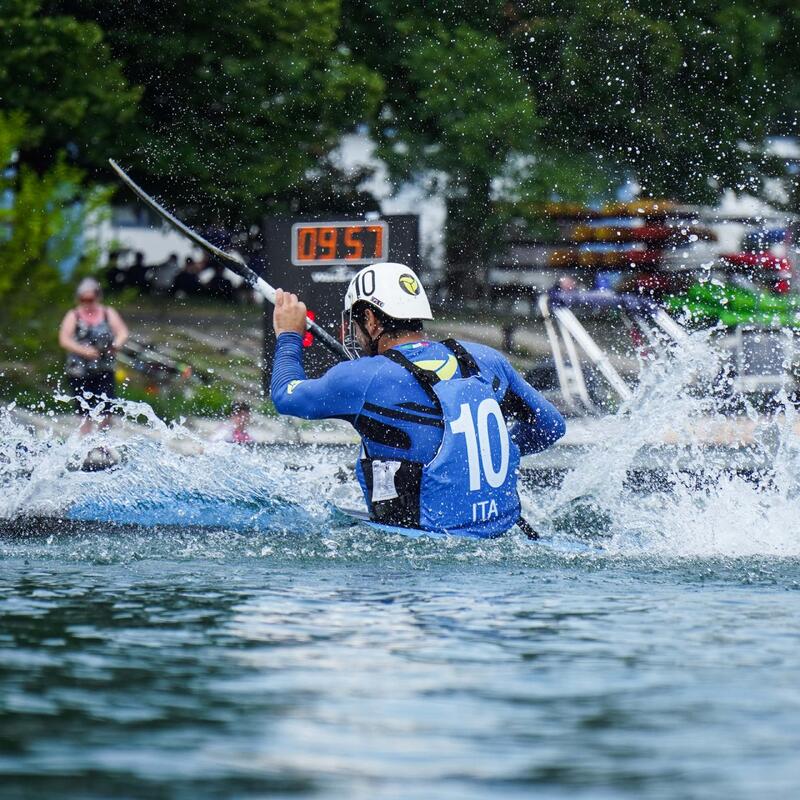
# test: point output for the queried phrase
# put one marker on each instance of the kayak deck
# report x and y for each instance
(361, 516)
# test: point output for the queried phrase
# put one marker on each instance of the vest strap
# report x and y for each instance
(426, 378)
(468, 365)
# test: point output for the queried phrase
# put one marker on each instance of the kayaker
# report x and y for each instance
(91, 334)
(436, 454)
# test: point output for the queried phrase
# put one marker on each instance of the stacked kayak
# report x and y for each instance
(732, 305)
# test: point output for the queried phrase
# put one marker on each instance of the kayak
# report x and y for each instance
(360, 516)
(191, 510)
(733, 305)
(116, 499)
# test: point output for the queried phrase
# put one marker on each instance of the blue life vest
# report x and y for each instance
(470, 486)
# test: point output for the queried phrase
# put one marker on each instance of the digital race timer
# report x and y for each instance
(334, 243)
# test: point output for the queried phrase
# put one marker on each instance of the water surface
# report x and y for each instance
(340, 664)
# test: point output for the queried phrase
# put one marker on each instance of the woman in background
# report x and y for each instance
(92, 334)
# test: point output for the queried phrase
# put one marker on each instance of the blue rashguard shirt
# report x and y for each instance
(389, 409)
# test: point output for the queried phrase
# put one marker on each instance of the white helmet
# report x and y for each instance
(392, 289)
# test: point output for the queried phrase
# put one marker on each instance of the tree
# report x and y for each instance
(240, 100)
(43, 221)
(477, 117)
(60, 74)
(785, 66)
(454, 107)
(667, 92)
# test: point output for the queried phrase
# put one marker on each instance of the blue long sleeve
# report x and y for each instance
(287, 365)
(352, 389)
(338, 393)
(534, 439)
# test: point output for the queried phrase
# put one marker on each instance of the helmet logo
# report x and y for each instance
(409, 284)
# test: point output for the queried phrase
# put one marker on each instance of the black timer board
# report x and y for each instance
(316, 257)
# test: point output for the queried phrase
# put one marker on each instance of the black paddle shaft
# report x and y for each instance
(237, 263)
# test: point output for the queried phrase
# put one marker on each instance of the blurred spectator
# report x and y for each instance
(123, 273)
(137, 273)
(219, 286)
(116, 274)
(187, 281)
(92, 334)
(161, 276)
(235, 431)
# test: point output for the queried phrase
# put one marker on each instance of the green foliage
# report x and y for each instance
(59, 73)
(448, 113)
(28, 387)
(240, 99)
(43, 221)
(553, 174)
(231, 109)
(475, 117)
(666, 91)
(784, 65)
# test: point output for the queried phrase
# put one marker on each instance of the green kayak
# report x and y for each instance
(732, 306)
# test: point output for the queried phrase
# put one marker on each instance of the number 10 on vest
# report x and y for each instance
(480, 459)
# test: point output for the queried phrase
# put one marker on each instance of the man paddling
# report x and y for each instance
(437, 454)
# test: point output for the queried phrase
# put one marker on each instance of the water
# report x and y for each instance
(490, 670)
(647, 647)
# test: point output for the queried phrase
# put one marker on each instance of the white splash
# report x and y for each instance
(167, 473)
(701, 507)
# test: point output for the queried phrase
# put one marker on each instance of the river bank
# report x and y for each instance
(222, 347)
